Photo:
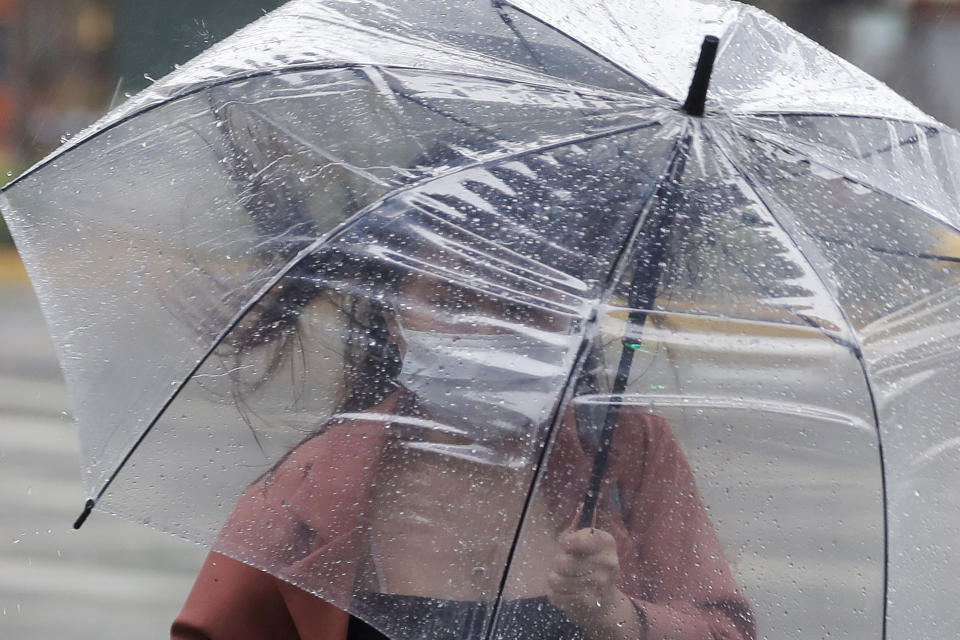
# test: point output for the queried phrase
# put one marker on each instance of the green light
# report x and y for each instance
(636, 346)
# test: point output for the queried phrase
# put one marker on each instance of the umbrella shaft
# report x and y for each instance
(610, 419)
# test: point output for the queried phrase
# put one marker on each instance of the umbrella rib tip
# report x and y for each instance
(697, 96)
(87, 509)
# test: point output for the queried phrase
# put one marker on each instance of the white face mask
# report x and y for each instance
(485, 387)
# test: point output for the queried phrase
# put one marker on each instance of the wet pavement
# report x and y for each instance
(112, 579)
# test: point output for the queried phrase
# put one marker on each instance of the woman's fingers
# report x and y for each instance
(574, 566)
(585, 552)
(586, 566)
(585, 542)
(561, 585)
(583, 577)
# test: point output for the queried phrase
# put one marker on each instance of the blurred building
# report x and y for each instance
(927, 69)
(56, 75)
(911, 45)
(63, 62)
(57, 71)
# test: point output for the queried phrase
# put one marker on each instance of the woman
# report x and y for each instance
(404, 507)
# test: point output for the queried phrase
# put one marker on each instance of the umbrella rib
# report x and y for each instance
(452, 117)
(786, 146)
(498, 5)
(741, 265)
(306, 251)
(855, 345)
(473, 56)
(577, 89)
(484, 130)
(914, 139)
(833, 114)
(588, 333)
(563, 33)
(890, 252)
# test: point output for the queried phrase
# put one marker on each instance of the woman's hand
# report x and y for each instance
(583, 584)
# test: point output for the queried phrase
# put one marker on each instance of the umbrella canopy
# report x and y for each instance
(358, 281)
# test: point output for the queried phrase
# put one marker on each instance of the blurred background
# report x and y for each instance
(63, 63)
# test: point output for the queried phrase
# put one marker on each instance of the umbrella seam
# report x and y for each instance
(731, 29)
(618, 66)
(731, 32)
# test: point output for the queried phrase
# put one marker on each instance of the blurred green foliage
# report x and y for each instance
(152, 37)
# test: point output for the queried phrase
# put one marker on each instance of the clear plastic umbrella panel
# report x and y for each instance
(365, 295)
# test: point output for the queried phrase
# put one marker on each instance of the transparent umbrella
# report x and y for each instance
(389, 301)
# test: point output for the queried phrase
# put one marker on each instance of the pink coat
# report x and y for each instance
(304, 522)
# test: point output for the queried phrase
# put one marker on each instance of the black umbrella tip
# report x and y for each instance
(87, 510)
(697, 96)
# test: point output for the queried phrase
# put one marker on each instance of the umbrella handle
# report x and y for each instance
(697, 96)
(644, 287)
(610, 419)
(582, 519)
